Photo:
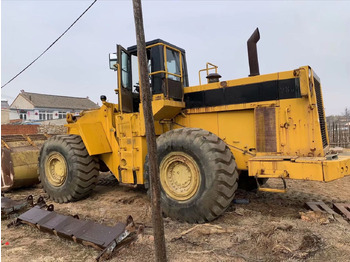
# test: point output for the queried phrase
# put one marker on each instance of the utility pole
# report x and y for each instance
(157, 219)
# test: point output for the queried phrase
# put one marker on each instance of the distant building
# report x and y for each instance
(5, 104)
(5, 112)
(40, 107)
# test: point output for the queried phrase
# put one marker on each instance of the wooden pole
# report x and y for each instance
(157, 219)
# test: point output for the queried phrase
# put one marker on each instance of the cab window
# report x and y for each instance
(126, 71)
(173, 64)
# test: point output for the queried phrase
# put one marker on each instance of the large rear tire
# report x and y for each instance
(198, 175)
(67, 171)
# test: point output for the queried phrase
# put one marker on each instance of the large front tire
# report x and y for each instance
(198, 175)
(67, 171)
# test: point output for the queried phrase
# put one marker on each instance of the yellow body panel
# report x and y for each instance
(94, 138)
(307, 168)
(234, 127)
(335, 169)
(166, 109)
(131, 148)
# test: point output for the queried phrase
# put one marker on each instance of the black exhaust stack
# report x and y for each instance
(253, 53)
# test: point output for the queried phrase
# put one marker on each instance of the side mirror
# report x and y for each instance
(113, 61)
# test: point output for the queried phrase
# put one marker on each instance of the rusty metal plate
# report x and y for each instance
(343, 209)
(102, 235)
(8, 205)
(265, 126)
(7, 172)
(320, 206)
(49, 223)
(34, 215)
(72, 228)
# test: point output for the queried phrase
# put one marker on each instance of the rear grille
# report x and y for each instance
(321, 112)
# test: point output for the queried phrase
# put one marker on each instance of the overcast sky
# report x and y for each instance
(292, 34)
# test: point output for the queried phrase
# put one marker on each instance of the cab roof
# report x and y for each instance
(133, 49)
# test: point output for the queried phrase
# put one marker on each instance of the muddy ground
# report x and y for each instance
(269, 228)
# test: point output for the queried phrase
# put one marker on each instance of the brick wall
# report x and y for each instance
(33, 129)
(19, 129)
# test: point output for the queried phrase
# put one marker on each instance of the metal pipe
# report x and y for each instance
(253, 53)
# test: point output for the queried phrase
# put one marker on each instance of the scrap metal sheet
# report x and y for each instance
(320, 206)
(72, 228)
(9, 206)
(343, 209)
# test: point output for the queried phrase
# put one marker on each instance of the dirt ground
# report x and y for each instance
(269, 228)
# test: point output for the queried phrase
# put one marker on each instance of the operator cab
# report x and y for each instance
(167, 73)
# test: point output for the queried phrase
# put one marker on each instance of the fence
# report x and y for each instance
(339, 134)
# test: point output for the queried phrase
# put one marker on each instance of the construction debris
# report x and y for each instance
(322, 213)
(10, 207)
(104, 238)
(241, 201)
(320, 207)
(315, 216)
(310, 245)
(206, 229)
(342, 209)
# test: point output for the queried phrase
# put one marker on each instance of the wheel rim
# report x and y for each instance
(179, 176)
(56, 169)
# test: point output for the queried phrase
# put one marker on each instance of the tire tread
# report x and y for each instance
(222, 163)
(85, 169)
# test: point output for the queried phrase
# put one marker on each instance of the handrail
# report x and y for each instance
(165, 64)
(207, 68)
(163, 71)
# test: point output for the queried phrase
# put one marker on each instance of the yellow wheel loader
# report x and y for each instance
(209, 135)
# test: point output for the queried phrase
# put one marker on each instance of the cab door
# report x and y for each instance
(124, 80)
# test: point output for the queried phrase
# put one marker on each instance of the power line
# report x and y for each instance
(13, 78)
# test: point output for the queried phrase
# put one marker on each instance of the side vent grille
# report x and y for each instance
(321, 112)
